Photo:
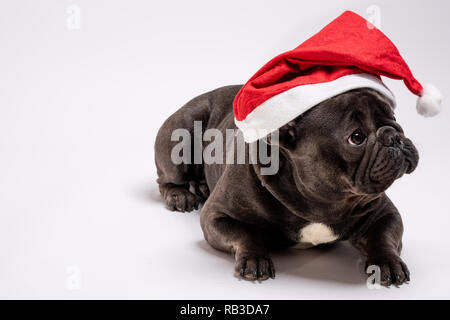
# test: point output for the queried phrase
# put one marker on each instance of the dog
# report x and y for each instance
(335, 163)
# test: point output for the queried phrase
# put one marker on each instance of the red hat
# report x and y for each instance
(347, 54)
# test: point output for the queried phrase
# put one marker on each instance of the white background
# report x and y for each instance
(79, 111)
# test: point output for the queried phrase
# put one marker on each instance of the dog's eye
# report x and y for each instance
(357, 138)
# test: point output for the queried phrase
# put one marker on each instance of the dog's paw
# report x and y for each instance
(253, 267)
(392, 268)
(202, 189)
(181, 199)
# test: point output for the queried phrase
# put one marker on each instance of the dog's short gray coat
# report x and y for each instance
(326, 189)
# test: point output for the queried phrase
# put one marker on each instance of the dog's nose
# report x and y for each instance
(389, 137)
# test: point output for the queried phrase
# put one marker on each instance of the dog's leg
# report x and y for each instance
(252, 261)
(176, 180)
(183, 185)
(175, 183)
(382, 243)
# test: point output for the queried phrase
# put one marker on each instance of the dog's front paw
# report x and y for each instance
(392, 268)
(181, 199)
(254, 267)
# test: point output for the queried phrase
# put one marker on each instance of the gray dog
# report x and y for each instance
(335, 163)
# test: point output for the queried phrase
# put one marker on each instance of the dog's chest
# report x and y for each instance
(314, 234)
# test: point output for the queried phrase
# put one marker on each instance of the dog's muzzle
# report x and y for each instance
(395, 156)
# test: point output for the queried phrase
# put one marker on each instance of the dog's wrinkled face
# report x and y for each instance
(347, 145)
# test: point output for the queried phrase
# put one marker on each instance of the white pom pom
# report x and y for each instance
(429, 104)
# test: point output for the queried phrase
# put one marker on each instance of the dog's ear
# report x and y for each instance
(287, 135)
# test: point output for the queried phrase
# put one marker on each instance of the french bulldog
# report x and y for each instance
(335, 163)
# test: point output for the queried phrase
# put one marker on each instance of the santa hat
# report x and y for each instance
(347, 54)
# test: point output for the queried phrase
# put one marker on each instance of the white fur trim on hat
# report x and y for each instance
(429, 103)
(275, 112)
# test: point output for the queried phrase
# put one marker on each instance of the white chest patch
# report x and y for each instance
(315, 234)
